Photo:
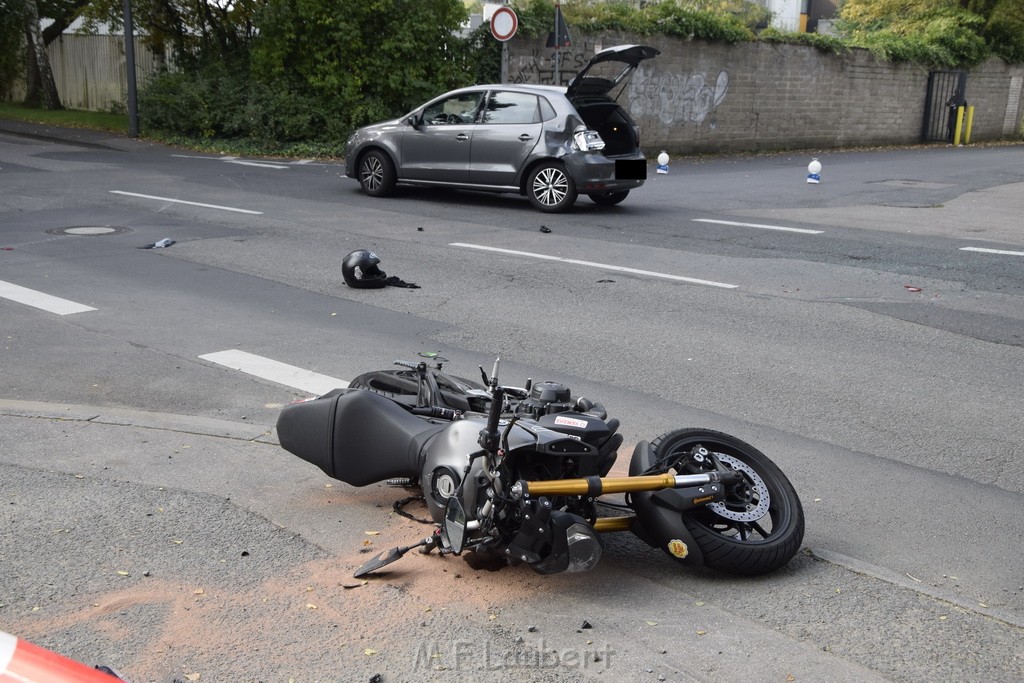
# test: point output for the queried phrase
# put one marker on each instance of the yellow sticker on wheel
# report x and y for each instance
(678, 548)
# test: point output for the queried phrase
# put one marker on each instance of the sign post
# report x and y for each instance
(504, 23)
(558, 39)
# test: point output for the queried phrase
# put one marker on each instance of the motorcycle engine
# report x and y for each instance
(545, 398)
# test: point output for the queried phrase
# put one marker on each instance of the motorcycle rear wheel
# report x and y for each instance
(760, 524)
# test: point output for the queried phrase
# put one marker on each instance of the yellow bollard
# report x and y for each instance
(970, 122)
(959, 125)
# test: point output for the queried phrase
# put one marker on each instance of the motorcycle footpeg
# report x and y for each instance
(431, 542)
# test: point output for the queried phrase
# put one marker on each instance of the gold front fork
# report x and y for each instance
(606, 524)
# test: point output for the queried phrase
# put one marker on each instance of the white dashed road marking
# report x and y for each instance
(604, 266)
(31, 297)
(182, 201)
(275, 371)
(982, 250)
(760, 226)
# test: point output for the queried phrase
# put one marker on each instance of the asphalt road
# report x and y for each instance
(872, 347)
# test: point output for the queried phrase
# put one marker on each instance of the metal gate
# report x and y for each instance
(947, 90)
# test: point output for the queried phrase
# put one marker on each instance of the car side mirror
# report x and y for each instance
(415, 120)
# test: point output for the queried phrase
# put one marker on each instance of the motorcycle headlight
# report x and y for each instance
(584, 548)
(586, 140)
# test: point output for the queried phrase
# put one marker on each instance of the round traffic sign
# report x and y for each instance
(504, 23)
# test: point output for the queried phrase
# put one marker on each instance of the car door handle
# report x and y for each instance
(525, 136)
(461, 137)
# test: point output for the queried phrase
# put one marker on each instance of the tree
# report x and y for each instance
(1004, 29)
(363, 60)
(951, 32)
(12, 44)
(19, 29)
(41, 85)
(194, 29)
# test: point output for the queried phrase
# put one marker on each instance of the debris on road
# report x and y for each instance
(160, 244)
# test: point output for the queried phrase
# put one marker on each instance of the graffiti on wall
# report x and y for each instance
(538, 66)
(676, 98)
(671, 98)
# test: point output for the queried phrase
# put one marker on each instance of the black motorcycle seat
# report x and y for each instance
(375, 438)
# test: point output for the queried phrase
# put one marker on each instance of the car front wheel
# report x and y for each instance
(550, 188)
(376, 174)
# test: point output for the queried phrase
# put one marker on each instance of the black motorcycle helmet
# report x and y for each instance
(360, 270)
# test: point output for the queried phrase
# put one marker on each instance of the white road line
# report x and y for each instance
(258, 164)
(759, 225)
(275, 371)
(234, 160)
(605, 266)
(31, 297)
(182, 201)
(993, 251)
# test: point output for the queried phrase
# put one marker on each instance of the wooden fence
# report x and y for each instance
(90, 71)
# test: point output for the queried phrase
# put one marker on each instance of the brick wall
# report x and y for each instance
(698, 96)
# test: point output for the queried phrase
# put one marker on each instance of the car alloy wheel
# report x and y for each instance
(550, 188)
(376, 174)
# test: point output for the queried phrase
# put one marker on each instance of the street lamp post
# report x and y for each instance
(129, 57)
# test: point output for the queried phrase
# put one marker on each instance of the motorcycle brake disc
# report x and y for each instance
(759, 492)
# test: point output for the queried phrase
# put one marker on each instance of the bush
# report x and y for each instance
(178, 103)
(935, 34)
(363, 61)
(1006, 37)
(816, 40)
(684, 18)
(483, 56)
(209, 101)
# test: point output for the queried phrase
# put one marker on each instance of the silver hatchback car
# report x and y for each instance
(548, 143)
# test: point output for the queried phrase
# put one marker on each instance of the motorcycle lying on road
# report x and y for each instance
(519, 473)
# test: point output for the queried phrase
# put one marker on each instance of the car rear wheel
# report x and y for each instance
(550, 188)
(376, 174)
(609, 198)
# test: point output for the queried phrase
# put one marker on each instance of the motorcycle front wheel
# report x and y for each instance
(760, 524)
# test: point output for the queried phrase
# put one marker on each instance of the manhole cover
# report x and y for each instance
(90, 230)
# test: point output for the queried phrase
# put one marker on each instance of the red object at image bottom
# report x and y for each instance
(23, 662)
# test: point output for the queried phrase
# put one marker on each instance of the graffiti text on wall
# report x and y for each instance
(539, 66)
(671, 98)
(675, 98)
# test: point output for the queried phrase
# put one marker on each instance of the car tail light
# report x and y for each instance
(586, 140)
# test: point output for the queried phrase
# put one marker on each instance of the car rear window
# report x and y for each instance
(547, 112)
(511, 107)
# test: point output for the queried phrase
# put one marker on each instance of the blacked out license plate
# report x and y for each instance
(630, 169)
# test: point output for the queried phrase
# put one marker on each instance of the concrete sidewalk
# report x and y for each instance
(82, 137)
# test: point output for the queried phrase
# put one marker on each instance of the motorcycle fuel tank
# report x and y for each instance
(449, 452)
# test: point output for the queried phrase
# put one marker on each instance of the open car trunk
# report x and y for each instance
(612, 123)
(590, 92)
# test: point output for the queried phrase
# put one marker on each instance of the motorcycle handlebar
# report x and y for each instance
(436, 411)
(489, 435)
